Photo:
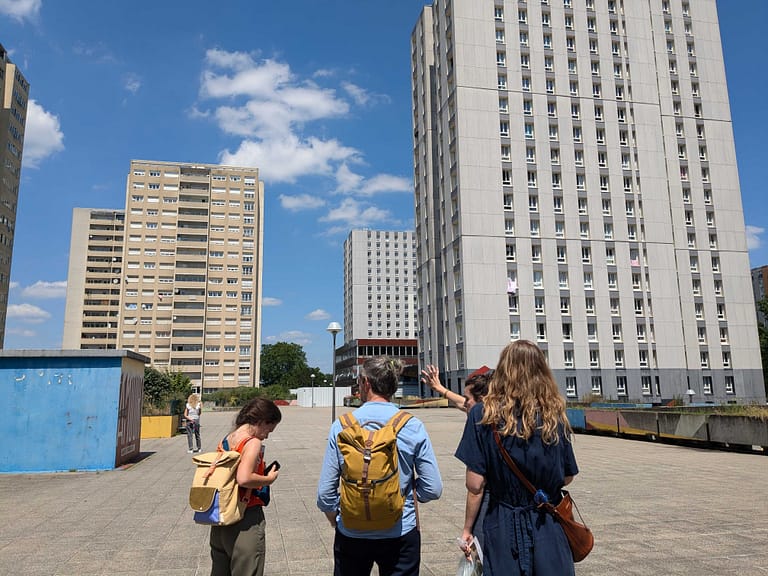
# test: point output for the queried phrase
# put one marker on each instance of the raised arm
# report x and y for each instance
(431, 377)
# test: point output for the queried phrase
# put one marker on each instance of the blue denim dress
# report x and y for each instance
(518, 538)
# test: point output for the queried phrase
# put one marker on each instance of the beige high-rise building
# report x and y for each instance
(576, 185)
(14, 94)
(94, 280)
(188, 274)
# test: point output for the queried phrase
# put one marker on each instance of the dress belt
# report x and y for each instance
(516, 529)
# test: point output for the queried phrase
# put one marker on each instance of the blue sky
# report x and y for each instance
(315, 94)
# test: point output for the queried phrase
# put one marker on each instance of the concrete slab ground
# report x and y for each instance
(655, 509)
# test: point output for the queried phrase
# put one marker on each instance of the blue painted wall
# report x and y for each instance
(60, 413)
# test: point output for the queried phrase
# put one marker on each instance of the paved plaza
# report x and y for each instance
(655, 509)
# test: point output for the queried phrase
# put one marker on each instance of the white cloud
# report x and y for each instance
(21, 10)
(28, 313)
(358, 94)
(131, 82)
(753, 237)
(356, 215)
(386, 183)
(275, 100)
(348, 182)
(267, 301)
(12, 285)
(268, 106)
(41, 289)
(318, 314)
(361, 96)
(194, 112)
(323, 73)
(300, 202)
(295, 336)
(43, 136)
(98, 52)
(23, 332)
(287, 159)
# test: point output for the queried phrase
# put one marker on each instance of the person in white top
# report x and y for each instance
(192, 416)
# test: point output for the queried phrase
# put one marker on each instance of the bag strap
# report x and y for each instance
(511, 463)
(399, 420)
(347, 420)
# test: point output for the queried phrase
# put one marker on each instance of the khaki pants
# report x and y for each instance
(239, 550)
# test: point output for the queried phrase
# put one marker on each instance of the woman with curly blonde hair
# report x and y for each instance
(525, 408)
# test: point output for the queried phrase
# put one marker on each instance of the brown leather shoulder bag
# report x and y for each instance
(580, 537)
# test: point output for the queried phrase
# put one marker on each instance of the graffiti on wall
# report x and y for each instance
(129, 416)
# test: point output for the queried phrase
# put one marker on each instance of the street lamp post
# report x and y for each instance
(312, 376)
(691, 392)
(334, 328)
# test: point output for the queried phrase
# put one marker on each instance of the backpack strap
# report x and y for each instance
(347, 420)
(399, 420)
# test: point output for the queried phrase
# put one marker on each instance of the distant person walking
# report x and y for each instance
(524, 407)
(192, 417)
(390, 540)
(239, 549)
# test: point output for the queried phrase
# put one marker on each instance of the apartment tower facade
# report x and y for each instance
(379, 285)
(176, 276)
(14, 95)
(94, 280)
(576, 185)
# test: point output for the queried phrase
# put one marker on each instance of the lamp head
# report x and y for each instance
(334, 328)
(690, 392)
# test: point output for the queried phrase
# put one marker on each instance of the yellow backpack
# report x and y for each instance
(371, 498)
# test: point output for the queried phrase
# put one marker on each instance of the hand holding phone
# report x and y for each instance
(275, 464)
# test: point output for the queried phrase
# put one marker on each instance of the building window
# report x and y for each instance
(645, 385)
(706, 385)
(621, 385)
(570, 386)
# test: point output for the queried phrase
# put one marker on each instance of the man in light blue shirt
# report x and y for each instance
(396, 550)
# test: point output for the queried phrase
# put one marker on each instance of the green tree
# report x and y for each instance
(284, 364)
(180, 384)
(156, 387)
(762, 306)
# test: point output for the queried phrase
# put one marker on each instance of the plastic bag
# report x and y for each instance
(472, 566)
(469, 566)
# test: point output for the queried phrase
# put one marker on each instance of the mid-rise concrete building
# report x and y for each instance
(14, 95)
(183, 269)
(379, 285)
(94, 280)
(576, 185)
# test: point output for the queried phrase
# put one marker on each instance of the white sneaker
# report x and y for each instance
(190, 451)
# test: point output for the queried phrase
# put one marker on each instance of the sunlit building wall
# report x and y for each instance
(576, 185)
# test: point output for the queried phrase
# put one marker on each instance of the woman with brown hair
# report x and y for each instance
(525, 407)
(239, 549)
